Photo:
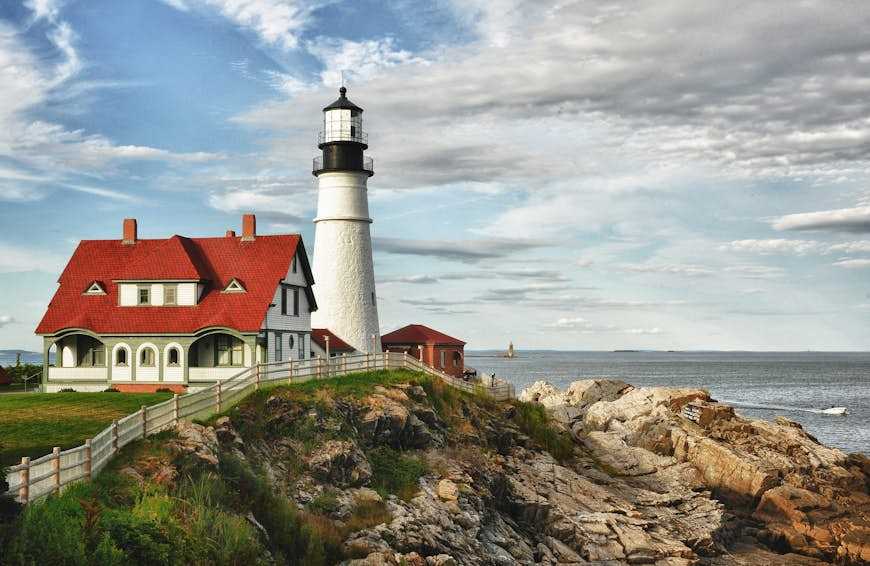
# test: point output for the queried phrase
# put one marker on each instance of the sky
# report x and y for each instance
(563, 175)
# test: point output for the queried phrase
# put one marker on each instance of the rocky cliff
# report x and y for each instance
(459, 479)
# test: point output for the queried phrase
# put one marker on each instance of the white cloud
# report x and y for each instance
(856, 219)
(415, 279)
(772, 246)
(362, 60)
(853, 263)
(5, 319)
(757, 271)
(275, 22)
(469, 251)
(674, 269)
(654, 330)
(15, 258)
(850, 247)
(44, 9)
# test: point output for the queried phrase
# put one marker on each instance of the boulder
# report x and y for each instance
(340, 463)
(387, 421)
(198, 441)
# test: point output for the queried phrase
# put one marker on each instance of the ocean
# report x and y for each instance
(760, 385)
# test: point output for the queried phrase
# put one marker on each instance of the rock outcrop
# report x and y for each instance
(644, 485)
(808, 498)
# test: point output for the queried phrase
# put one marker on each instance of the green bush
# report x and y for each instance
(66, 390)
(395, 473)
(111, 390)
(323, 504)
(533, 420)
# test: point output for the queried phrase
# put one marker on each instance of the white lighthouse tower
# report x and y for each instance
(344, 273)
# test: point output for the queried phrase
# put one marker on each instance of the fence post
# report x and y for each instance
(24, 491)
(386, 360)
(88, 459)
(257, 374)
(114, 436)
(144, 410)
(175, 408)
(218, 397)
(367, 361)
(290, 371)
(319, 366)
(55, 467)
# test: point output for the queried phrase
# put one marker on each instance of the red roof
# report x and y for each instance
(418, 334)
(336, 344)
(261, 264)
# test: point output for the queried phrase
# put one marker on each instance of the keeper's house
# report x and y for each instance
(139, 315)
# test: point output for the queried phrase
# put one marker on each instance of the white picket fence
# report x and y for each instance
(33, 479)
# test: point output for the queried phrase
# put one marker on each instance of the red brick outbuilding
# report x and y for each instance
(435, 348)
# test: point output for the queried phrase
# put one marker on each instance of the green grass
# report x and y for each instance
(31, 425)
(357, 384)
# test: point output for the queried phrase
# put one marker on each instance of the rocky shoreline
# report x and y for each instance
(642, 485)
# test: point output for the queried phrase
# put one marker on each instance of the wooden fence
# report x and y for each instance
(33, 479)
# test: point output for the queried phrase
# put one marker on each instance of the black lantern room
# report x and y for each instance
(342, 139)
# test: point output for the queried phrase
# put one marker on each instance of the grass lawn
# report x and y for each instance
(32, 424)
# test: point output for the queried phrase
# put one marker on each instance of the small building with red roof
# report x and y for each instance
(141, 314)
(430, 346)
(323, 340)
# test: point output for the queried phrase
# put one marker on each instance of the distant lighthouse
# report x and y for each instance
(344, 274)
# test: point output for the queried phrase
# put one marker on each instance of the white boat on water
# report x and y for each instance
(835, 411)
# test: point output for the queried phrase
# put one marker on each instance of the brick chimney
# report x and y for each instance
(249, 228)
(130, 235)
(231, 233)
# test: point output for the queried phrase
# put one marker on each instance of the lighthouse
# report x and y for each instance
(344, 273)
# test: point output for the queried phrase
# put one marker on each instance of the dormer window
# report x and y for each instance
(170, 294)
(95, 288)
(234, 286)
(144, 295)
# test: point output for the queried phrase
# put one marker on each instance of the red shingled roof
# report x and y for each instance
(336, 344)
(418, 334)
(260, 263)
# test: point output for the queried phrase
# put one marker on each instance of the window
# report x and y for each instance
(170, 294)
(373, 297)
(283, 300)
(295, 302)
(442, 357)
(145, 295)
(457, 357)
(301, 346)
(290, 341)
(234, 286)
(146, 357)
(229, 351)
(293, 265)
(279, 354)
(121, 357)
(173, 357)
(91, 352)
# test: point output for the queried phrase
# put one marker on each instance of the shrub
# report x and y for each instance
(368, 513)
(393, 472)
(164, 390)
(323, 504)
(111, 390)
(66, 390)
(533, 420)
